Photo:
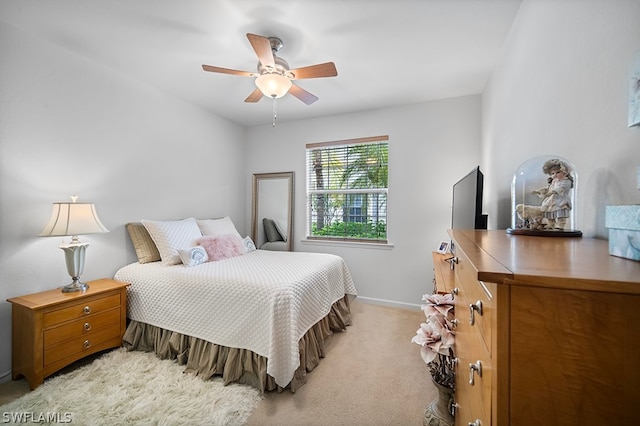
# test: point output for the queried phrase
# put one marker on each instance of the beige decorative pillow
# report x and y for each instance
(146, 249)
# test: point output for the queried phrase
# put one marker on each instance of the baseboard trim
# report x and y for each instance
(389, 303)
(5, 377)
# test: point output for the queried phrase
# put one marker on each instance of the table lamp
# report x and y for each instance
(73, 219)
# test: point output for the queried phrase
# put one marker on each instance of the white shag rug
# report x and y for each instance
(133, 388)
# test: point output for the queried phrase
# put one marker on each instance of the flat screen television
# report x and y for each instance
(467, 202)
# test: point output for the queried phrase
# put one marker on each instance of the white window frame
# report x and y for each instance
(313, 192)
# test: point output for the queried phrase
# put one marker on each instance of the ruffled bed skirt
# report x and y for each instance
(205, 359)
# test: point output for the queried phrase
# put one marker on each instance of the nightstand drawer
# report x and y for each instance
(82, 309)
(81, 327)
(80, 344)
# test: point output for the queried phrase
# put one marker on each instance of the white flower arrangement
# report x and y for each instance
(436, 338)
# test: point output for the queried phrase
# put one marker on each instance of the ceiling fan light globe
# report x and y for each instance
(273, 85)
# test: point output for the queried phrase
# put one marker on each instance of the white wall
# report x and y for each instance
(561, 88)
(431, 146)
(72, 127)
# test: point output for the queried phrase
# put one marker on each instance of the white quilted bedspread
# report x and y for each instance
(264, 301)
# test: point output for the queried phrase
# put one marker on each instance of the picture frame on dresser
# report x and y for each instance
(443, 247)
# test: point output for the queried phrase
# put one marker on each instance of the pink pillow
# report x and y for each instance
(220, 247)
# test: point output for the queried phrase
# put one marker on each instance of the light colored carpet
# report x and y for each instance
(134, 388)
(372, 375)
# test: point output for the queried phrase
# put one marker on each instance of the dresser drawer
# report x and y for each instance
(474, 401)
(80, 344)
(81, 327)
(472, 292)
(82, 309)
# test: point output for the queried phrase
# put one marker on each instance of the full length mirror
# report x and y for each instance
(272, 214)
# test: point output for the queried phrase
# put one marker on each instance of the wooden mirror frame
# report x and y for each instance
(255, 213)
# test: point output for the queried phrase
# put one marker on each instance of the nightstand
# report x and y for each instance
(51, 329)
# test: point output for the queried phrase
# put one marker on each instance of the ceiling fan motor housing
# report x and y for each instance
(276, 43)
(281, 67)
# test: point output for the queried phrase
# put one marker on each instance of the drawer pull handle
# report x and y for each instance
(87, 326)
(452, 262)
(87, 310)
(454, 408)
(454, 292)
(454, 323)
(473, 308)
(476, 423)
(477, 368)
(86, 344)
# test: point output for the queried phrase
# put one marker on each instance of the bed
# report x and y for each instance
(259, 317)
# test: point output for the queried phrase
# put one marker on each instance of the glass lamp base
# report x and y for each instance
(74, 258)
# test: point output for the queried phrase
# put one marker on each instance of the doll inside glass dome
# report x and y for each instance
(556, 197)
(554, 211)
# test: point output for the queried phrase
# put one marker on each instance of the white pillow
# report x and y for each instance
(220, 226)
(248, 244)
(193, 256)
(171, 236)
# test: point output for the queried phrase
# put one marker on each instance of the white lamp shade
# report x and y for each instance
(273, 85)
(71, 219)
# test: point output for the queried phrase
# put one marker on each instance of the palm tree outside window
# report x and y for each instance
(347, 186)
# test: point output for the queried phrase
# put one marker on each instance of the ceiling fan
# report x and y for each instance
(274, 78)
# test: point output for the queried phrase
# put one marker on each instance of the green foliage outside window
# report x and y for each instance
(367, 230)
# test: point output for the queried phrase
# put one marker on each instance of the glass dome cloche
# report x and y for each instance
(543, 194)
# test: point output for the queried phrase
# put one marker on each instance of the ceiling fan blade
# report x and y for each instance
(328, 69)
(262, 47)
(302, 94)
(255, 96)
(211, 68)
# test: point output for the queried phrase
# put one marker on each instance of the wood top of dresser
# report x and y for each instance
(56, 296)
(580, 263)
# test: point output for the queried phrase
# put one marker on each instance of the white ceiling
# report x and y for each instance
(387, 52)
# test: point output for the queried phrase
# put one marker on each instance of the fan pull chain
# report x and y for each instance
(275, 112)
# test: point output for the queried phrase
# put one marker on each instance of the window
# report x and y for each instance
(347, 190)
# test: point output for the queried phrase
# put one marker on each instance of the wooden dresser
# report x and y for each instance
(548, 331)
(53, 329)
